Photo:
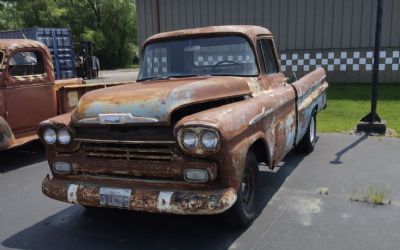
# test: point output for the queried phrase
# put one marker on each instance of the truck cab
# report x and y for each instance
(29, 93)
(26, 72)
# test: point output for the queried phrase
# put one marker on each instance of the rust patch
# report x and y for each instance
(158, 99)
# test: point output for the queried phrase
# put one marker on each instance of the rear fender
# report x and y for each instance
(311, 94)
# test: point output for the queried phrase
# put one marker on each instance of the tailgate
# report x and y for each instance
(69, 94)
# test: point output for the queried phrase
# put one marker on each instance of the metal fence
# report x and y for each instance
(335, 34)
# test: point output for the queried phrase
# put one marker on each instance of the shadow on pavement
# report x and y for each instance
(77, 228)
(22, 156)
(339, 154)
(271, 182)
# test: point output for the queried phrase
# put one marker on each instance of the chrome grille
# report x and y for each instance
(137, 152)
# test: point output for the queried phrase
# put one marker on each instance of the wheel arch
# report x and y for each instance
(261, 151)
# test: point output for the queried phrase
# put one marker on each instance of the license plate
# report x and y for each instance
(115, 197)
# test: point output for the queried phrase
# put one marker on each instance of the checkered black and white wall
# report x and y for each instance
(341, 62)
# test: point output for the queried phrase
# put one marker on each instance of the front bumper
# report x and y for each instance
(158, 201)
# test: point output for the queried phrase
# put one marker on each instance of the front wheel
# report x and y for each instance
(244, 210)
(307, 143)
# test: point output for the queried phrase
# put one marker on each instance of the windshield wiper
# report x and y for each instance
(181, 76)
(233, 75)
(167, 77)
(154, 78)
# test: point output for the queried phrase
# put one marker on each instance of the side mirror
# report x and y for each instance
(292, 77)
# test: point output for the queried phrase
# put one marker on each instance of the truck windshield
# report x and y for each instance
(225, 55)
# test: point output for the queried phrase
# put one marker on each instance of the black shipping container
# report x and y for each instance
(59, 42)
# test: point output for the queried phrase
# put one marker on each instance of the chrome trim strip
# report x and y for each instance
(117, 118)
(123, 142)
(260, 116)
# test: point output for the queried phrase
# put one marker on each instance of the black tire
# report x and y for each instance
(307, 143)
(243, 212)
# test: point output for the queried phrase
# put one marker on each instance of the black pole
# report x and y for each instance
(372, 121)
(375, 75)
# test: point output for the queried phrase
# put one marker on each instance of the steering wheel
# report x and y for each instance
(225, 62)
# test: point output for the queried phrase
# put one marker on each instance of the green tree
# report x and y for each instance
(9, 17)
(112, 30)
(46, 13)
(109, 24)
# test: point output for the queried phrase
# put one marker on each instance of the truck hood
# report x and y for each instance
(155, 101)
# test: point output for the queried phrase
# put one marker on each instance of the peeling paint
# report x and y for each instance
(72, 189)
(164, 199)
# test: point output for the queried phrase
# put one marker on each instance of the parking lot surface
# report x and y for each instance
(293, 213)
(119, 75)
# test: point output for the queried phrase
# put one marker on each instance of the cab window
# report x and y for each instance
(267, 51)
(24, 63)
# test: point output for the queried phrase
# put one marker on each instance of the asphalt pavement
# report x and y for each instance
(293, 213)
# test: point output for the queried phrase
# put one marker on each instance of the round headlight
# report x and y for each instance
(63, 136)
(189, 140)
(49, 136)
(209, 140)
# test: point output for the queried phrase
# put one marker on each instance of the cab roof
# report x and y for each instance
(11, 44)
(250, 31)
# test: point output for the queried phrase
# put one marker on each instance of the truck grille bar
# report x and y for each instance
(123, 141)
(130, 151)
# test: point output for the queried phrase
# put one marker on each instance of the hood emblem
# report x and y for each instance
(114, 118)
(117, 118)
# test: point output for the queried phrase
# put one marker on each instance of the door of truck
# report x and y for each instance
(29, 93)
(285, 116)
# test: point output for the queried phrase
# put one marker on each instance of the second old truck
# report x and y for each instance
(209, 105)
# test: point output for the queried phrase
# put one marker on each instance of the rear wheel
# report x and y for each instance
(307, 143)
(244, 210)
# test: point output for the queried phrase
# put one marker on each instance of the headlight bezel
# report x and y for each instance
(57, 129)
(199, 149)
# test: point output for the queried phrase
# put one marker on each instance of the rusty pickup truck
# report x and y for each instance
(28, 92)
(209, 105)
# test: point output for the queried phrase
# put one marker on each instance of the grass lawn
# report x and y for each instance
(348, 103)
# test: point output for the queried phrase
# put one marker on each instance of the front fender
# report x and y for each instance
(7, 138)
(233, 159)
(241, 124)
